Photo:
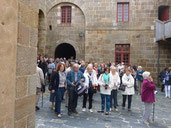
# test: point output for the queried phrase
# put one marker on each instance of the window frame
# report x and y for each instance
(122, 52)
(123, 3)
(66, 14)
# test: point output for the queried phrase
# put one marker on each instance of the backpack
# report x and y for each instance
(80, 88)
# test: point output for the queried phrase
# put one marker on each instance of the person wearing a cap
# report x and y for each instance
(148, 96)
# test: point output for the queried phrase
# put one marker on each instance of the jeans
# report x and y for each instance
(73, 98)
(147, 111)
(113, 97)
(90, 100)
(167, 90)
(52, 97)
(129, 101)
(66, 99)
(58, 100)
(107, 98)
(139, 86)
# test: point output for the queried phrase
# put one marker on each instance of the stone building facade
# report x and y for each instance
(94, 31)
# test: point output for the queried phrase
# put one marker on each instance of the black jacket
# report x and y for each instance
(43, 66)
(55, 81)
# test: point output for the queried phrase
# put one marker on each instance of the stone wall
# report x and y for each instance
(8, 42)
(26, 63)
(65, 33)
(103, 32)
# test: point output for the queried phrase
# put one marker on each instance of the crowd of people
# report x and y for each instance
(107, 78)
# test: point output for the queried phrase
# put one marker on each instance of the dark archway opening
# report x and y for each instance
(65, 50)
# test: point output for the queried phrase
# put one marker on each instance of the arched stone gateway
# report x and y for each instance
(71, 32)
(65, 50)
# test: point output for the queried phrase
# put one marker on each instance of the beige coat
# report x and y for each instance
(40, 78)
(129, 82)
(114, 81)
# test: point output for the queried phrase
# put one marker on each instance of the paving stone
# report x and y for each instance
(45, 118)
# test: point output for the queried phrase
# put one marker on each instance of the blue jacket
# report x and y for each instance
(167, 79)
(71, 77)
(82, 69)
(138, 76)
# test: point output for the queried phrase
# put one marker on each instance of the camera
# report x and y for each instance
(106, 86)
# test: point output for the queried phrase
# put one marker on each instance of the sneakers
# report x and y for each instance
(150, 121)
(145, 122)
(107, 113)
(116, 110)
(102, 111)
(59, 115)
(84, 109)
(37, 108)
(129, 109)
(75, 112)
(91, 110)
(110, 109)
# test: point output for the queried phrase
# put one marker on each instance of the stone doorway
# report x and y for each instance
(65, 50)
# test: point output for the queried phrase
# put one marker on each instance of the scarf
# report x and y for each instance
(106, 77)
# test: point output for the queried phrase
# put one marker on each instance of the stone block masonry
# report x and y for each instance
(19, 36)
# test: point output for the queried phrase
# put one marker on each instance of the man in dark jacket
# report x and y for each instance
(43, 65)
(72, 77)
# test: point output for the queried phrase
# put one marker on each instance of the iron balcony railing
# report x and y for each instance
(163, 30)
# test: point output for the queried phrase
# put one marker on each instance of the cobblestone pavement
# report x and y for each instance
(45, 117)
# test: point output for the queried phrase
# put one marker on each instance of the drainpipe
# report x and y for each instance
(158, 64)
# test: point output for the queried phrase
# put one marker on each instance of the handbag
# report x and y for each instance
(80, 89)
(122, 87)
(93, 89)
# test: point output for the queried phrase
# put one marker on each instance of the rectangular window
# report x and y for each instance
(122, 53)
(163, 13)
(66, 15)
(123, 12)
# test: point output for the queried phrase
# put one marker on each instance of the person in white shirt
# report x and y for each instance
(128, 81)
(40, 81)
(105, 90)
(115, 82)
(90, 83)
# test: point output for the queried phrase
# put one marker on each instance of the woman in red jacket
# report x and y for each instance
(148, 97)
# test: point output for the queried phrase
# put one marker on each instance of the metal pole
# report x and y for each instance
(42, 99)
(153, 110)
(158, 64)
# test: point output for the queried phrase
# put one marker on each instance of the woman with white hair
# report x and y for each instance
(115, 82)
(139, 78)
(90, 83)
(148, 97)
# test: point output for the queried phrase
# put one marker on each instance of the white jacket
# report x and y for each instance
(101, 82)
(129, 82)
(114, 81)
(40, 78)
(93, 77)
